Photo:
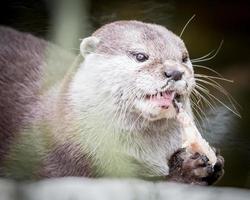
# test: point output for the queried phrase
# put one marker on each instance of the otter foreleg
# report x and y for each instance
(196, 162)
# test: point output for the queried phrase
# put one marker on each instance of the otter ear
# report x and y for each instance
(88, 45)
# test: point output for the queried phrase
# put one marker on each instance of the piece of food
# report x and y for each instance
(191, 137)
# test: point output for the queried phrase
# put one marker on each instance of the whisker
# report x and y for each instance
(129, 105)
(218, 100)
(196, 101)
(125, 106)
(197, 117)
(186, 25)
(209, 58)
(196, 97)
(133, 125)
(205, 56)
(208, 68)
(217, 86)
(197, 108)
(213, 77)
(204, 98)
(206, 101)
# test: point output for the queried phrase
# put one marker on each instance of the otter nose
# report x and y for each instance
(174, 75)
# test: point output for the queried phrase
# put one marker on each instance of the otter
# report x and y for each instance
(113, 114)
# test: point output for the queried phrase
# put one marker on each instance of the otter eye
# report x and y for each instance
(184, 58)
(140, 57)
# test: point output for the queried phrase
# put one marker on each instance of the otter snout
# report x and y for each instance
(175, 75)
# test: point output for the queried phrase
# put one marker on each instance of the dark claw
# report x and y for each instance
(218, 166)
(204, 158)
(195, 156)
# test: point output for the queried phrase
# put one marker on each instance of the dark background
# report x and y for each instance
(214, 21)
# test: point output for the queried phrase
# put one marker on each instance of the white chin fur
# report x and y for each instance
(153, 112)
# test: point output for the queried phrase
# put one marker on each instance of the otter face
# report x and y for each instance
(143, 66)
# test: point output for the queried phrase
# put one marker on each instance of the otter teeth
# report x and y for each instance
(161, 95)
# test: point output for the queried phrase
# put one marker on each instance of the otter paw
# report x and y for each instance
(194, 168)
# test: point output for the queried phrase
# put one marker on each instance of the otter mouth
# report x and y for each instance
(163, 99)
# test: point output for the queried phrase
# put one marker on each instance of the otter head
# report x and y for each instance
(142, 66)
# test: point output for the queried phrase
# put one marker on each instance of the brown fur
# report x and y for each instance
(66, 160)
(23, 82)
(112, 35)
(21, 58)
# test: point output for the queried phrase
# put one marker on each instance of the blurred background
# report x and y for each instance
(64, 22)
